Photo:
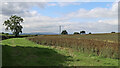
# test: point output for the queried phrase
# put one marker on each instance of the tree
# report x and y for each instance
(112, 32)
(90, 33)
(64, 32)
(82, 32)
(3, 33)
(76, 33)
(13, 24)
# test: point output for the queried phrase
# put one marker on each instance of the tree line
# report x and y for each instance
(64, 32)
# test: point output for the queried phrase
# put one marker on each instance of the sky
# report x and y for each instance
(94, 17)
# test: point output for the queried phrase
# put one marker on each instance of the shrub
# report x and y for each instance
(6, 33)
(76, 33)
(90, 33)
(3, 33)
(112, 32)
(82, 32)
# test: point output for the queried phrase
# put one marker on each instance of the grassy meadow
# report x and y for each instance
(61, 50)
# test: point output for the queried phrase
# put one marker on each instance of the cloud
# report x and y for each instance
(52, 4)
(62, 4)
(111, 21)
(35, 22)
(19, 7)
(59, 0)
(96, 12)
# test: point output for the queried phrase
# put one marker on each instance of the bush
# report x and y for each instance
(3, 33)
(76, 33)
(6, 33)
(82, 32)
(90, 33)
(36, 35)
(112, 32)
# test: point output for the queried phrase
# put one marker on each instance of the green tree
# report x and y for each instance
(90, 33)
(76, 33)
(13, 24)
(64, 32)
(3, 33)
(112, 32)
(82, 32)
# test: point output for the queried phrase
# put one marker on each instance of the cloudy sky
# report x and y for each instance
(95, 17)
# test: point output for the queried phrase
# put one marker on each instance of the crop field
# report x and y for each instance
(109, 37)
(104, 45)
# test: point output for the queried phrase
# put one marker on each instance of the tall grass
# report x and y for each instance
(89, 46)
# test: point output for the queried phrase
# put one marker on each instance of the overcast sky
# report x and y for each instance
(92, 17)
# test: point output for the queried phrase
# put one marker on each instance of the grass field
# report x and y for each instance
(22, 52)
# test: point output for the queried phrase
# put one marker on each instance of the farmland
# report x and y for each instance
(61, 50)
(104, 45)
(101, 37)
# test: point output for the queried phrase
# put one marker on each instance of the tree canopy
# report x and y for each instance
(13, 24)
(76, 33)
(90, 33)
(64, 32)
(82, 32)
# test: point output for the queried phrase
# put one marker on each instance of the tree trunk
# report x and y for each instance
(17, 34)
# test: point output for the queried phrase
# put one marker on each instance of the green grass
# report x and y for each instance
(22, 52)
